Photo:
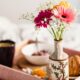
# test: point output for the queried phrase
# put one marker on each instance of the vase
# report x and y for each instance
(58, 67)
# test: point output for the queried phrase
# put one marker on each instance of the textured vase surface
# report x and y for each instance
(58, 68)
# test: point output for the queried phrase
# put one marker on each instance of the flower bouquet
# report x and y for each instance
(55, 18)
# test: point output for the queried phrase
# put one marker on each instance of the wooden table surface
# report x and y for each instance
(15, 72)
(23, 63)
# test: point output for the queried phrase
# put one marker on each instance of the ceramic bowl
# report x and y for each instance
(28, 50)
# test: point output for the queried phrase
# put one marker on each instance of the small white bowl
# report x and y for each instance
(28, 50)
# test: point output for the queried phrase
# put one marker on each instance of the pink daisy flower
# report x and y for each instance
(66, 15)
(43, 19)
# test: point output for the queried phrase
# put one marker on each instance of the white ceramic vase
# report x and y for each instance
(58, 68)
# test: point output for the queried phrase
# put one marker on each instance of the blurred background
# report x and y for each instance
(13, 9)
(13, 28)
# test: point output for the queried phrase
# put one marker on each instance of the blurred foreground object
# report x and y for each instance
(74, 65)
(7, 50)
(11, 74)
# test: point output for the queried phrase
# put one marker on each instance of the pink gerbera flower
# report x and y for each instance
(66, 15)
(43, 19)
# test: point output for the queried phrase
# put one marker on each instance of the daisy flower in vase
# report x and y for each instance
(55, 20)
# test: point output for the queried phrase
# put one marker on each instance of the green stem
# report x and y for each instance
(58, 33)
(62, 29)
(53, 32)
(61, 33)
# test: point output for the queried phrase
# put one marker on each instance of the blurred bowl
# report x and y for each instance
(28, 50)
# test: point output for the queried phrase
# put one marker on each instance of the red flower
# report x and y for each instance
(66, 15)
(43, 19)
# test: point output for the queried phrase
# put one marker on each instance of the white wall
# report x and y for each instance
(13, 9)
